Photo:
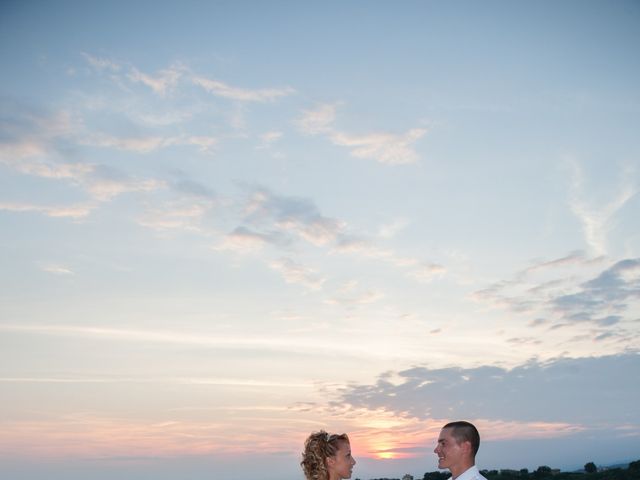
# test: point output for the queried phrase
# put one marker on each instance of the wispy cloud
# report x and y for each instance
(390, 230)
(101, 63)
(281, 221)
(29, 133)
(572, 290)
(351, 294)
(162, 83)
(596, 220)
(221, 89)
(268, 139)
(387, 148)
(427, 272)
(37, 147)
(415, 268)
(244, 240)
(105, 183)
(296, 273)
(175, 216)
(290, 216)
(147, 144)
(168, 79)
(317, 121)
(192, 202)
(237, 382)
(56, 269)
(384, 147)
(610, 291)
(574, 258)
(277, 342)
(49, 169)
(72, 211)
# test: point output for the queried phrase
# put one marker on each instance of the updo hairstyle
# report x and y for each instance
(317, 448)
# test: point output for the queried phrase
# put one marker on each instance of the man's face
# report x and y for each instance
(449, 451)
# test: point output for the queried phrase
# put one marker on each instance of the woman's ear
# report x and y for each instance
(331, 461)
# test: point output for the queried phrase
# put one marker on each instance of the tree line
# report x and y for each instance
(591, 472)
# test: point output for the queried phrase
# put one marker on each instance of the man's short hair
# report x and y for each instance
(465, 432)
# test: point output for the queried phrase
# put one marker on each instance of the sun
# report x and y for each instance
(386, 455)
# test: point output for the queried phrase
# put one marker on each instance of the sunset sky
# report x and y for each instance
(227, 224)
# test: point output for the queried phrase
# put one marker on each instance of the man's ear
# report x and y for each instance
(466, 447)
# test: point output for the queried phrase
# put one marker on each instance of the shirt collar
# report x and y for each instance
(469, 473)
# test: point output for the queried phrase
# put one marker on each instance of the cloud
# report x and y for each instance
(175, 216)
(147, 144)
(390, 230)
(268, 139)
(56, 269)
(351, 295)
(192, 202)
(570, 390)
(386, 148)
(416, 269)
(56, 211)
(596, 220)
(101, 63)
(35, 142)
(427, 272)
(221, 89)
(244, 240)
(105, 182)
(48, 169)
(571, 290)
(290, 216)
(276, 342)
(573, 258)
(317, 121)
(101, 181)
(277, 220)
(160, 84)
(609, 291)
(296, 273)
(168, 79)
(244, 382)
(30, 133)
(194, 188)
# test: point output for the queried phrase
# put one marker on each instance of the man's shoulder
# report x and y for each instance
(478, 475)
(472, 473)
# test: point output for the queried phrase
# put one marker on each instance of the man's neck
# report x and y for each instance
(460, 469)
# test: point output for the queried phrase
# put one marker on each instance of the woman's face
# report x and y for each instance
(341, 464)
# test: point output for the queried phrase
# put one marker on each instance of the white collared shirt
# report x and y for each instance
(470, 474)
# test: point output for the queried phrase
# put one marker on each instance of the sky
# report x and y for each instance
(226, 225)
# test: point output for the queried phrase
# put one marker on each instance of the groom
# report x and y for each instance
(457, 446)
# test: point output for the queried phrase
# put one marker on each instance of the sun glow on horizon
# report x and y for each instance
(387, 455)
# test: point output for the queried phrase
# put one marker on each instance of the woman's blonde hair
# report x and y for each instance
(317, 448)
